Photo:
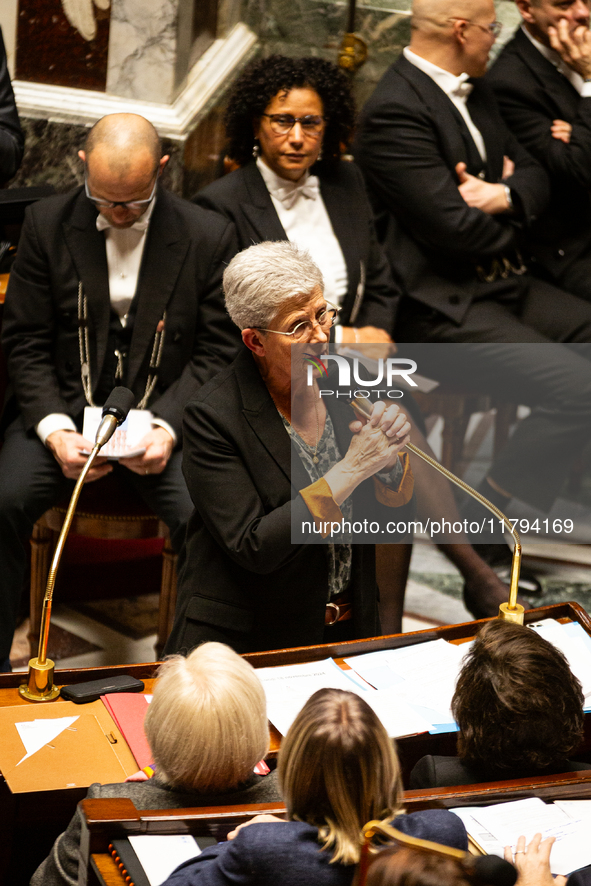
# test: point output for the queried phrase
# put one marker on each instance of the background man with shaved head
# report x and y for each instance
(140, 270)
(542, 80)
(452, 190)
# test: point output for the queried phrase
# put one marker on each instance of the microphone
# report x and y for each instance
(115, 411)
(512, 610)
(39, 685)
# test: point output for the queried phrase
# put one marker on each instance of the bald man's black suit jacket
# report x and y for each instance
(183, 260)
(372, 297)
(531, 94)
(410, 138)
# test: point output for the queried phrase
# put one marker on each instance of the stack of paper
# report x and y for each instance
(494, 827)
(574, 642)
(289, 687)
(423, 676)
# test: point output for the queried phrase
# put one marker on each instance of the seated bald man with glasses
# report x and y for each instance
(269, 463)
(115, 283)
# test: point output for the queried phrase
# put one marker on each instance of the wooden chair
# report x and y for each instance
(104, 513)
(456, 408)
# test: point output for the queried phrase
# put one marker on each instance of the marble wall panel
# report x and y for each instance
(52, 48)
(51, 157)
(142, 49)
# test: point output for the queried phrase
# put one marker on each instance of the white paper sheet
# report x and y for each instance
(423, 675)
(35, 734)
(576, 652)
(508, 821)
(159, 855)
(289, 687)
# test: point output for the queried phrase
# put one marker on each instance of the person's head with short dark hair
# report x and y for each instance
(517, 703)
(271, 80)
(338, 769)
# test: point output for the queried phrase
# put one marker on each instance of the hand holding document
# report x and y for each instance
(494, 827)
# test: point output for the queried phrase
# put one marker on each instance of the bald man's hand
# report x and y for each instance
(480, 194)
(158, 445)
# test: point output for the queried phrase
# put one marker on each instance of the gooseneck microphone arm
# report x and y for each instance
(512, 610)
(39, 686)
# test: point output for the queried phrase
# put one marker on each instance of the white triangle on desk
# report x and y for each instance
(35, 734)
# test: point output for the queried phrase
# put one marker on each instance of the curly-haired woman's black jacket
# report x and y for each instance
(372, 296)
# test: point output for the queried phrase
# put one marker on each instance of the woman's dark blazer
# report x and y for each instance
(288, 853)
(440, 772)
(242, 573)
(372, 296)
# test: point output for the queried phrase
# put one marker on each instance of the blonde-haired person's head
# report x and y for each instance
(338, 769)
(207, 722)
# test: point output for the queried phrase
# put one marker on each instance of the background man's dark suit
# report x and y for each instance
(183, 260)
(531, 94)
(242, 197)
(12, 140)
(244, 582)
(411, 137)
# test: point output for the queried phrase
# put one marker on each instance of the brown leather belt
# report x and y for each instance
(339, 609)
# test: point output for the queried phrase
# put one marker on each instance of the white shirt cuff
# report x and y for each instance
(586, 90)
(56, 421)
(160, 423)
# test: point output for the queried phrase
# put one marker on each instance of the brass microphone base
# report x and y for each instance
(515, 615)
(39, 685)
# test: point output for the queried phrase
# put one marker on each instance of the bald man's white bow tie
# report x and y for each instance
(289, 193)
(140, 225)
(463, 88)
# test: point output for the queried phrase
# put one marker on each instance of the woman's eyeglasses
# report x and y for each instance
(305, 329)
(281, 124)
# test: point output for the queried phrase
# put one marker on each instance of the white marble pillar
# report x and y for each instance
(142, 49)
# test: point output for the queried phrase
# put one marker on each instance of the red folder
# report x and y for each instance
(128, 710)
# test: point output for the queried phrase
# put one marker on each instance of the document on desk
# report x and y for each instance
(574, 648)
(288, 687)
(500, 825)
(423, 675)
(35, 734)
(161, 854)
(61, 746)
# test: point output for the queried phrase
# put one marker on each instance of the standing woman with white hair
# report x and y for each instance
(263, 457)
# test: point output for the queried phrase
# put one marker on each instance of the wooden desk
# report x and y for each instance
(106, 820)
(20, 814)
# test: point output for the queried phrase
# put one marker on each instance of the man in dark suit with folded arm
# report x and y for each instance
(542, 81)
(115, 283)
(452, 190)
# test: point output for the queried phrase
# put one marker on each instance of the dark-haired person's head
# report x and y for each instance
(517, 703)
(403, 866)
(311, 94)
(338, 769)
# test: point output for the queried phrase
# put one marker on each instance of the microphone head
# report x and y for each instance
(118, 404)
(495, 871)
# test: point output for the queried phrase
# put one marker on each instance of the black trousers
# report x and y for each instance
(504, 348)
(31, 481)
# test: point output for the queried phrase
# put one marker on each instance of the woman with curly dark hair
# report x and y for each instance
(519, 709)
(286, 118)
